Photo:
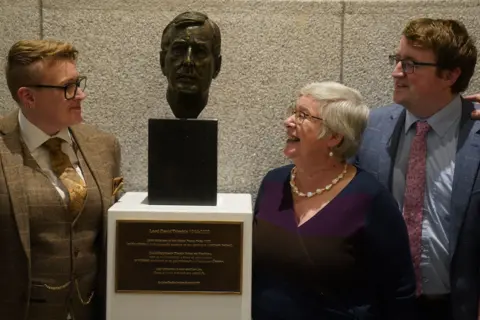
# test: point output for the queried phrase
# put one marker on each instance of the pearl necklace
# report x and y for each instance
(318, 191)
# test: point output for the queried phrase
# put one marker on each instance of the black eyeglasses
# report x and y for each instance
(300, 116)
(408, 66)
(70, 89)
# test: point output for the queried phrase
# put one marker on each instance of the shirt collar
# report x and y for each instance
(440, 121)
(34, 137)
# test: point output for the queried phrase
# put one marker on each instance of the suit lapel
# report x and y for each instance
(467, 161)
(11, 155)
(391, 130)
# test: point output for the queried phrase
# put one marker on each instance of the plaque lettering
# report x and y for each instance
(164, 256)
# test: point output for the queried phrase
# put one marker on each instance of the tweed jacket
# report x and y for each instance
(101, 152)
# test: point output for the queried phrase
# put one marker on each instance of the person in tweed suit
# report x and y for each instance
(52, 221)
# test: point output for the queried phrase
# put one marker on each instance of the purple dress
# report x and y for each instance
(350, 261)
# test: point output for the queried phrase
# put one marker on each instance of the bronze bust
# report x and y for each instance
(190, 58)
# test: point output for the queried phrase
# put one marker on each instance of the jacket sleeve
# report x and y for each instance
(389, 259)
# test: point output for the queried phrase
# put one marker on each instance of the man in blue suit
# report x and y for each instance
(426, 149)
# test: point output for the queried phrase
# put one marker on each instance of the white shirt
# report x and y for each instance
(34, 138)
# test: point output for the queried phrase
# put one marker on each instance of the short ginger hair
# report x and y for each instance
(22, 68)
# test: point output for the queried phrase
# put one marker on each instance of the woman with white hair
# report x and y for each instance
(329, 240)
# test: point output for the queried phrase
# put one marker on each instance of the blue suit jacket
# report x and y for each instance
(377, 154)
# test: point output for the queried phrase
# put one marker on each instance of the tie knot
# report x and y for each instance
(422, 128)
(53, 144)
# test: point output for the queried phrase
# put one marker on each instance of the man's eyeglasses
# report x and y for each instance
(70, 89)
(300, 116)
(408, 66)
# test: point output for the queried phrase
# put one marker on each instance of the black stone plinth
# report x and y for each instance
(182, 162)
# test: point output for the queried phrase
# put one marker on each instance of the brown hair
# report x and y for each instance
(19, 70)
(451, 44)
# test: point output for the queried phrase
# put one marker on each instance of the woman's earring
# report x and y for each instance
(330, 154)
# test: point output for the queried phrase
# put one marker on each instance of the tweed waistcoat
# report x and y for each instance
(64, 248)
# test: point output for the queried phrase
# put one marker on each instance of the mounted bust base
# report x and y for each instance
(182, 162)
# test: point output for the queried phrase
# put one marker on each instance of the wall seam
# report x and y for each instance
(342, 38)
(40, 6)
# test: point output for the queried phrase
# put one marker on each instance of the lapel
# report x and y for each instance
(467, 161)
(12, 162)
(88, 146)
(391, 130)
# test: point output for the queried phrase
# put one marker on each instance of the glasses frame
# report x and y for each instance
(408, 63)
(293, 111)
(64, 87)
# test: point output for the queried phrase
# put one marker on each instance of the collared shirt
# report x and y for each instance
(440, 166)
(34, 139)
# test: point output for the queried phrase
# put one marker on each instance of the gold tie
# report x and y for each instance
(64, 170)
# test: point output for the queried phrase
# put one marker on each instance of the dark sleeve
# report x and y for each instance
(268, 177)
(389, 259)
(256, 207)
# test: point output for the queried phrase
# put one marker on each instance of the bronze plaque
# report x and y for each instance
(193, 256)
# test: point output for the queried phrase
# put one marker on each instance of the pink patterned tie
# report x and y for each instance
(414, 196)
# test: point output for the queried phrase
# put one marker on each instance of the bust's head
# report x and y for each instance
(190, 58)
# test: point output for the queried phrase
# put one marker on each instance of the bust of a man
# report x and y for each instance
(190, 58)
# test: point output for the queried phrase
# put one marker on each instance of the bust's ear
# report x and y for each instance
(217, 66)
(162, 61)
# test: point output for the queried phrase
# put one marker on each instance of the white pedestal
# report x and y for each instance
(168, 305)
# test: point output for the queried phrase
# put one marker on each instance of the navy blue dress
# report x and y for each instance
(350, 261)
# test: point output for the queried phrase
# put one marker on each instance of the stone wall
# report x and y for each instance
(270, 49)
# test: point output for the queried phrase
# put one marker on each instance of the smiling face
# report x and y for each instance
(48, 108)
(424, 88)
(303, 130)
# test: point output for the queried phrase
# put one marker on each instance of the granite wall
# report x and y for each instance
(270, 49)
